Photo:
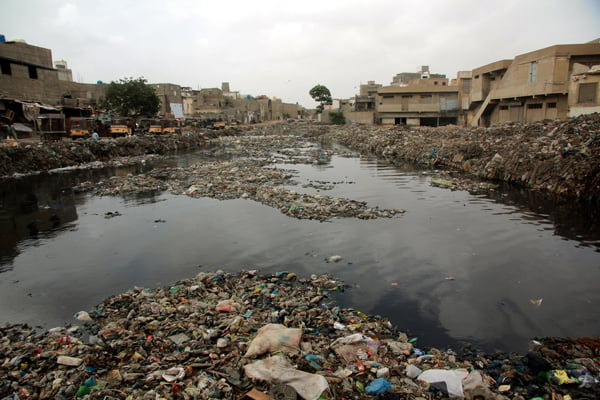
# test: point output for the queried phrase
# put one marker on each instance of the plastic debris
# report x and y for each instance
(451, 378)
(274, 337)
(171, 342)
(378, 386)
(278, 370)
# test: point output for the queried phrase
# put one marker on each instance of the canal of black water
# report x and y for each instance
(456, 268)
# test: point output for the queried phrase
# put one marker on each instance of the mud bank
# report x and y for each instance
(561, 157)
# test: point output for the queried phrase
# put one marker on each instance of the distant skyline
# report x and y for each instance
(282, 49)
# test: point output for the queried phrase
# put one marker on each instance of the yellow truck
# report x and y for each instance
(80, 127)
(157, 126)
(121, 127)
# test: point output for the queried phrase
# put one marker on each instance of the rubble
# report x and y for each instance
(269, 336)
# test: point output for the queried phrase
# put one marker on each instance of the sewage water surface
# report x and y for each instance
(456, 268)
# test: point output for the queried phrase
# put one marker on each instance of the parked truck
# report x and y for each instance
(80, 127)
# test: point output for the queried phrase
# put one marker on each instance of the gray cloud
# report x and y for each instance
(283, 49)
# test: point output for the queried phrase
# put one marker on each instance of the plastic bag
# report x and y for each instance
(274, 337)
(228, 305)
(378, 386)
(452, 379)
(278, 370)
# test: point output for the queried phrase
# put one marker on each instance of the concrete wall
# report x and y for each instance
(360, 117)
(553, 66)
(577, 107)
(27, 53)
(167, 93)
(532, 87)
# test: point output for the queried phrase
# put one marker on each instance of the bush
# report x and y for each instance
(337, 118)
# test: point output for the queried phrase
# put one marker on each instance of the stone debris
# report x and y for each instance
(251, 336)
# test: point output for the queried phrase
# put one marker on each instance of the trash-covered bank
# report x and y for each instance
(558, 156)
(252, 336)
(26, 157)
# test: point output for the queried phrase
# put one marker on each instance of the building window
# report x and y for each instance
(388, 96)
(476, 76)
(551, 105)
(504, 107)
(534, 106)
(435, 82)
(32, 72)
(5, 67)
(533, 71)
(443, 83)
(426, 96)
(587, 92)
(407, 96)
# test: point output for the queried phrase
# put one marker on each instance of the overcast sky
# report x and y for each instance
(283, 48)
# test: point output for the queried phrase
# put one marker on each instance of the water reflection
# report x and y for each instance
(30, 208)
(500, 248)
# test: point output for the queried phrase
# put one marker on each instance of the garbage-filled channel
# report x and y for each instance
(493, 270)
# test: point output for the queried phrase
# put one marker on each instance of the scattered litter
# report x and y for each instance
(274, 337)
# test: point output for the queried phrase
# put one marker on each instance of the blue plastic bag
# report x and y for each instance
(378, 386)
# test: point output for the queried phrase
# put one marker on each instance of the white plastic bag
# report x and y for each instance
(278, 370)
(274, 337)
(452, 378)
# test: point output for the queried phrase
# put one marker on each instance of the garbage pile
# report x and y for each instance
(251, 336)
(242, 178)
(26, 157)
(561, 156)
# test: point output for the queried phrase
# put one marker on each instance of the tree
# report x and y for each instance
(131, 98)
(321, 94)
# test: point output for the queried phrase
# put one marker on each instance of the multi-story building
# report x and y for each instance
(365, 100)
(27, 74)
(428, 100)
(64, 72)
(532, 87)
(585, 90)
(171, 99)
(404, 78)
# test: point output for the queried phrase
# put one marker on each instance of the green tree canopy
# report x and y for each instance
(321, 94)
(131, 98)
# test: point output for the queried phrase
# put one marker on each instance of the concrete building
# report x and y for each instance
(64, 73)
(171, 100)
(365, 100)
(532, 87)
(27, 74)
(428, 100)
(584, 91)
(403, 78)
(464, 82)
